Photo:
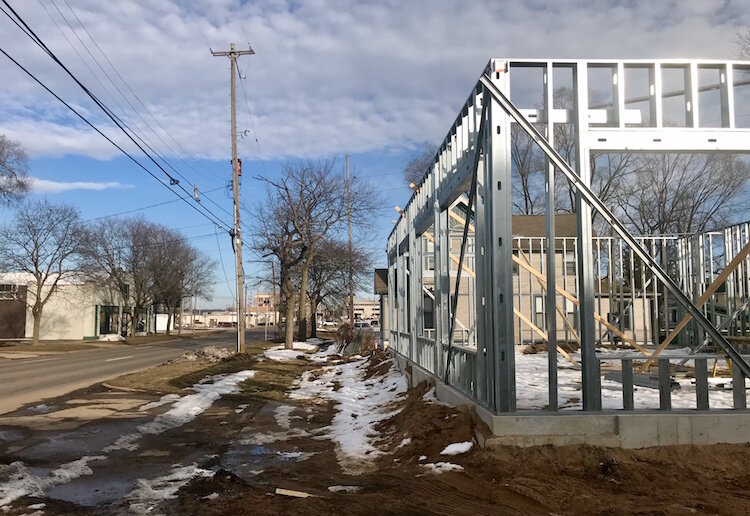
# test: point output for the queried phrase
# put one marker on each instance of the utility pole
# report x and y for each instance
(349, 220)
(233, 54)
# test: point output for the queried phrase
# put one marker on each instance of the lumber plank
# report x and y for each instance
(712, 288)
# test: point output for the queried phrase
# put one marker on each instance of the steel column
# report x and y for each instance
(500, 243)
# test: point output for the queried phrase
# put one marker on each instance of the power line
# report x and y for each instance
(145, 207)
(221, 259)
(32, 35)
(124, 82)
(137, 98)
(252, 122)
(71, 108)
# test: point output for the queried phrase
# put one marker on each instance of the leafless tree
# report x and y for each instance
(177, 270)
(315, 196)
(416, 168)
(527, 173)
(14, 166)
(683, 193)
(144, 262)
(44, 241)
(743, 44)
(274, 236)
(329, 275)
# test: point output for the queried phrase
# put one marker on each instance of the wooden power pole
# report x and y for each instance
(349, 221)
(233, 54)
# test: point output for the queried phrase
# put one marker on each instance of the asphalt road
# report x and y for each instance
(29, 380)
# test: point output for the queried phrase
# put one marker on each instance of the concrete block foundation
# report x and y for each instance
(641, 429)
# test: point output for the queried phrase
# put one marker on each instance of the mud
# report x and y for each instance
(256, 440)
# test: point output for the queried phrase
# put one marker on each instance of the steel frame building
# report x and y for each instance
(474, 161)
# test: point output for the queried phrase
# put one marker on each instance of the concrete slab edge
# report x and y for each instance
(606, 429)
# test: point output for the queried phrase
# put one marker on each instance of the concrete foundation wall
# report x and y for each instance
(609, 429)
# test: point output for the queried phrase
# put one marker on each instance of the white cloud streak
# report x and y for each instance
(43, 186)
(327, 77)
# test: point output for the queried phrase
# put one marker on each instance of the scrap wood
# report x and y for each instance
(545, 337)
(524, 318)
(542, 279)
(712, 288)
(293, 493)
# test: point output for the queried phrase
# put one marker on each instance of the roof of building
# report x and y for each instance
(535, 225)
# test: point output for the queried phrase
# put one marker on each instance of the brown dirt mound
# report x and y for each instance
(430, 426)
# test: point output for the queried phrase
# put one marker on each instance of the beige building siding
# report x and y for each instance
(529, 300)
(70, 314)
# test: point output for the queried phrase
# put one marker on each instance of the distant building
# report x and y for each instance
(75, 311)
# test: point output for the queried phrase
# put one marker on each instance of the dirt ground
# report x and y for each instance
(229, 439)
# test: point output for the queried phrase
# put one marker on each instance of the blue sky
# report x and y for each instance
(374, 79)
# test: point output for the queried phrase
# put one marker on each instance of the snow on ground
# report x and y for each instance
(344, 489)
(305, 346)
(281, 414)
(18, 481)
(531, 386)
(167, 398)
(150, 492)
(360, 404)
(457, 448)
(441, 467)
(281, 354)
(405, 442)
(185, 409)
(112, 337)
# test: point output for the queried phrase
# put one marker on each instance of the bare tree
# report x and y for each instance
(44, 241)
(274, 235)
(329, 275)
(14, 166)
(527, 173)
(177, 269)
(743, 44)
(315, 197)
(416, 168)
(683, 193)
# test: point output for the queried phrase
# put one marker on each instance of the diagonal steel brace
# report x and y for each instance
(609, 217)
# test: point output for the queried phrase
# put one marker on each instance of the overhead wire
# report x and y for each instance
(124, 82)
(223, 269)
(37, 40)
(143, 140)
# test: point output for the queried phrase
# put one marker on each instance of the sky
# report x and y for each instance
(371, 79)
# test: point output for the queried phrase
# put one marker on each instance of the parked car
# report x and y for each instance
(362, 326)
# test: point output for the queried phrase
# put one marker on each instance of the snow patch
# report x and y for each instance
(112, 337)
(281, 354)
(167, 398)
(300, 456)
(150, 492)
(422, 457)
(457, 448)
(344, 489)
(360, 405)
(259, 439)
(21, 482)
(212, 496)
(532, 392)
(441, 467)
(185, 409)
(405, 442)
(241, 408)
(305, 346)
(281, 415)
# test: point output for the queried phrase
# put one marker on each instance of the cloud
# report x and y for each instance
(327, 77)
(41, 186)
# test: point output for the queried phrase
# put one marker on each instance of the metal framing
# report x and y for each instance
(483, 366)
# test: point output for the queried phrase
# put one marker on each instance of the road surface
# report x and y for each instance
(30, 380)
